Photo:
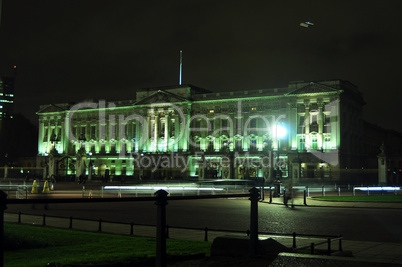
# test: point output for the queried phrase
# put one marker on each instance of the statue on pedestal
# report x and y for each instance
(80, 163)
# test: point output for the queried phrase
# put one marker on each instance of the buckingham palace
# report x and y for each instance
(306, 130)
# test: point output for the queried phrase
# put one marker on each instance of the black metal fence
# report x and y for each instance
(162, 229)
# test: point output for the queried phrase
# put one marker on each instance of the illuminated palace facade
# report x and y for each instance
(307, 130)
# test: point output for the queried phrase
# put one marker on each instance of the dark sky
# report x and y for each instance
(71, 50)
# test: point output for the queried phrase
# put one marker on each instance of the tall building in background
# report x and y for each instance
(6, 97)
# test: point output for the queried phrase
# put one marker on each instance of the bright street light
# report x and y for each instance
(278, 131)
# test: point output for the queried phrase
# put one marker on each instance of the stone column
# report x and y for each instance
(320, 118)
(307, 140)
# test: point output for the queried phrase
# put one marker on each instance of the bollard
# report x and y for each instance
(339, 191)
(312, 248)
(254, 197)
(248, 232)
(44, 220)
(305, 198)
(323, 191)
(19, 217)
(368, 191)
(308, 191)
(206, 234)
(340, 243)
(100, 225)
(294, 240)
(71, 222)
(161, 202)
(132, 228)
(83, 191)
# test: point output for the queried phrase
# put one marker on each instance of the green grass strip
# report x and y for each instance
(32, 246)
(372, 198)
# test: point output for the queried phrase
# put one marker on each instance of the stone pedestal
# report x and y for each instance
(382, 166)
(53, 157)
(80, 163)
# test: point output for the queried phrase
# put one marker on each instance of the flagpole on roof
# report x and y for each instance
(181, 65)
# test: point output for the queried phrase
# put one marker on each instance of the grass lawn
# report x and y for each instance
(372, 198)
(27, 245)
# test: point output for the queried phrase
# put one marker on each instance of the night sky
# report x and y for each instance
(72, 50)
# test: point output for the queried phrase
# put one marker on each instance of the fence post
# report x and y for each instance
(270, 195)
(3, 207)
(254, 197)
(329, 246)
(206, 234)
(161, 202)
(284, 197)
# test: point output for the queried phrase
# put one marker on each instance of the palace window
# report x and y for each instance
(224, 124)
(238, 145)
(211, 146)
(45, 133)
(172, 128)
(327, 123)
(301, 127)
(211, 125)
(253, 145)
(314, 144)
(93, 132)
(253, 124)
(302, 143)
(327, 143)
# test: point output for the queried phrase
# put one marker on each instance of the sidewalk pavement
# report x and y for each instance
(314, 202)
(376, 251)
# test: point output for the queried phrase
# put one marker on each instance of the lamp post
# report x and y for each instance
(278, 132)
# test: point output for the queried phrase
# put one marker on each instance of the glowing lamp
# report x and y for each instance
(278, 131)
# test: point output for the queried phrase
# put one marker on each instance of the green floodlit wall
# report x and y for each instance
(241, 124)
